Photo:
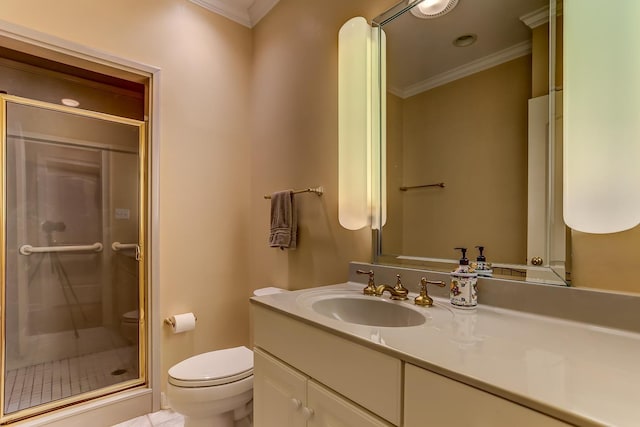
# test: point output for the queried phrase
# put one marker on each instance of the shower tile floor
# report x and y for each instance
(45, 382)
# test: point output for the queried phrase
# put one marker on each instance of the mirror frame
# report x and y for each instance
(537, 274)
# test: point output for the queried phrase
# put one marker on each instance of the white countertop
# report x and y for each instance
(577, 372)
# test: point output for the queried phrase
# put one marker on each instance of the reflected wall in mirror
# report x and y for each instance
(476, 118)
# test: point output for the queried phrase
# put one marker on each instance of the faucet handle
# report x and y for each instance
(399, 286)
(370, 289)
(401, 291)
(424, 299)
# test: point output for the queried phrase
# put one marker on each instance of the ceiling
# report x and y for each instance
(421, 54)
(245, 12)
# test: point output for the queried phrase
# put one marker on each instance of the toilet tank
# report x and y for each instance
(268, 291)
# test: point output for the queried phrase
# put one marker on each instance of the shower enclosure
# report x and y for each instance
(73, 304)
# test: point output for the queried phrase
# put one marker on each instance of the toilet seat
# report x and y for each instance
(213, 368)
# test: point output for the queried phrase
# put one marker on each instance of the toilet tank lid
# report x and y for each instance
(230, 363)
(131, 315)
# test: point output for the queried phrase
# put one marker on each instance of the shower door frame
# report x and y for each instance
(143, 191)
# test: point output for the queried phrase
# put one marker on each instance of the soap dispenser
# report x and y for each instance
(464, 282)
(483, 268)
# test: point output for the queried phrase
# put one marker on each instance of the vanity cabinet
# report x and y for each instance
(307, 376)
(279, 393)
(367, 378)
(440, 401)
(285, 397)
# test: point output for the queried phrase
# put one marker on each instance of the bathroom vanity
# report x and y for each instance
(314, 366)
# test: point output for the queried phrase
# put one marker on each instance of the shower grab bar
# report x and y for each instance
(28, 249)
(117, 246)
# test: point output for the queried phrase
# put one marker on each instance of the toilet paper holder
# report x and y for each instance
(171, 322)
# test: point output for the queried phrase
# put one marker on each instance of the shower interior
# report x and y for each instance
(71, 317)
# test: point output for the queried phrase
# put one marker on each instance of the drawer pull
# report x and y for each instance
(295, 404)
(307, 413)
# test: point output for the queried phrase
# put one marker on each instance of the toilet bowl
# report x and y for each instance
(215, 389)
(129, 323)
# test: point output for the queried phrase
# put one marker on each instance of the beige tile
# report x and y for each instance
(166, 418)
(142, 421)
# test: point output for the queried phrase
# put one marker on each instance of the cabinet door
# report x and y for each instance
(332, 410)
(279, 393)
(431, 399)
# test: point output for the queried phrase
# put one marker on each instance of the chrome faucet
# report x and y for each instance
(398, 292)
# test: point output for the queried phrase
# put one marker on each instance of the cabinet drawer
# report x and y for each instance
(367, 377)
(279, 393)
(332, 410)
(436, 400)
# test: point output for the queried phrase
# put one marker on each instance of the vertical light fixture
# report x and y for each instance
(360, 127)
(601, 115)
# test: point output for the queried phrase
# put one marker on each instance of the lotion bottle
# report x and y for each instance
(464, 282)
(483, 268)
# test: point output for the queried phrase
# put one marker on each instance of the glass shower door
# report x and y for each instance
(73, 276)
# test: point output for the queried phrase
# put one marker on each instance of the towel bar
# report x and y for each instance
(440, 184)
(318, 190)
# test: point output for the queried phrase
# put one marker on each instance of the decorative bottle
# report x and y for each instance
(464, 283)
(483, 268)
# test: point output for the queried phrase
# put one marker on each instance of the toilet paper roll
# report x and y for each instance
(183, 322)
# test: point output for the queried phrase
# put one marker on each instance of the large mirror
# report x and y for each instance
(473, 131)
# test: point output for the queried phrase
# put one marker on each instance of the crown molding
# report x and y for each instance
(259, 9)
(536, 18)
(247, 12)
(465, 70)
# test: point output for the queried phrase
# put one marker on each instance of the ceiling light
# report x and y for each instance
(70, 102)
(428, 9)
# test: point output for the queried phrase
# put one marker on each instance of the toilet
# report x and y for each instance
(129, 323)
(215, 389)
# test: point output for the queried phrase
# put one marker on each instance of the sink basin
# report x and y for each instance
(368, 311)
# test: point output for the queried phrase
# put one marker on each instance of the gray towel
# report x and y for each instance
(284, 221)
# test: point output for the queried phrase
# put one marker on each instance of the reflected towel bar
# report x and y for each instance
(28, 249)
(440, 184)
(318, 190)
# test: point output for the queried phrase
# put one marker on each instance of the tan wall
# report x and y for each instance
(204, 100)
(470, 134)
(392, 231)
(540, 63)
(295, 140)
(606, 261)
